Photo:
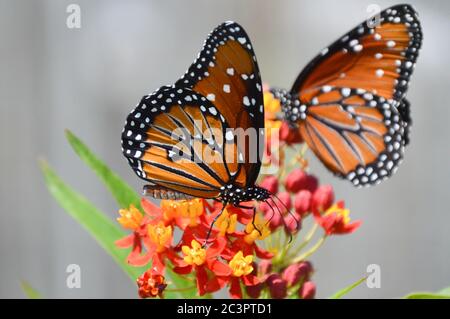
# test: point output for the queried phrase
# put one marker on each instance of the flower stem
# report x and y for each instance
(307, 240)
(311, 251)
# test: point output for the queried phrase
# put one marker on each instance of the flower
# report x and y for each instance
(289, 134)
(204, 260)
(307, 291)
(160, 236)
(151, 284)
(253, 233)
(336, 220)
(130, 218)
(184, 213)
(226, 223)
(241, 269)
(322, 199)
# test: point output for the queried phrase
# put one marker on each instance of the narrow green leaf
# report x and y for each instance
(445, 291)
(93, 220)
(29, 291)
(123, 193)
(347, 289)
(426, 295)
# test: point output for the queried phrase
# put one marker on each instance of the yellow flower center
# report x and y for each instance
(194, 255)
(343, 212)
(160, 235)
(226, 223)
(261, 231)
(130, 218)
(240, 265)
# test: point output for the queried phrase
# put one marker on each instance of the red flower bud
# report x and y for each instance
(285, 198)
(302, 202)
(277, 286)
(293, 223)
(322, 199)
(254, 291)
(296, 272)
(295, 180)
(264, 267)
(270, 183)
(308, 290)
(290, 135)
(311, 183)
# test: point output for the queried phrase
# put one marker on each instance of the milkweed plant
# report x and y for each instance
(158, 245)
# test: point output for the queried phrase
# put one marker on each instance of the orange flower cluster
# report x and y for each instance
(240, 250)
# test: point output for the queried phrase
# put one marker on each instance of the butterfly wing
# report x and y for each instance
(356, 134)
(177, 139)
(227, 73)
(350, 98)
(378, 59)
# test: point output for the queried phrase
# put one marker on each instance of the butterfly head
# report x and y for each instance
(234, 194)
(293, 110)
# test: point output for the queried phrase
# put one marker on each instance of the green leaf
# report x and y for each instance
(347, 289)
(445, 291)
(29, 291)
(121, 191)
(92, 219)
(426, 295)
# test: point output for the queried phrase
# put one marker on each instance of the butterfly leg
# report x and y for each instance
(213, 222)
(254, 215)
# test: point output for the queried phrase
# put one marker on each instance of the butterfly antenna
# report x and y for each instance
(297, 222)
(273, 211)
(281, 214)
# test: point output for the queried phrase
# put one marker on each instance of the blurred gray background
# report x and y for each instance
(88, 79)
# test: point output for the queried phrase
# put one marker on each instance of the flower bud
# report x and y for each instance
(285, 198)
(322, 199)
(264, 267)
(151, 284)
(293, 223)
(254, 291)
(295, 181)
(270, 183)
(274, 218)
(277, 286)
(308, 290)
(296, 272)
(302, 202)
(290, 135)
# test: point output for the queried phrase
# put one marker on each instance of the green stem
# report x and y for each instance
(311, 251)
(306, 241)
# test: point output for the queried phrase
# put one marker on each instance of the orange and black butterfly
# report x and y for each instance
(167, 135)
(349, 102)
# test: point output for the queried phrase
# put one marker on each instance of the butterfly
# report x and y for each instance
(168, 134)
(349, 102)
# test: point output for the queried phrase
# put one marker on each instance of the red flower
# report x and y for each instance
(201, 260)
(151, 284)
(336, 220)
